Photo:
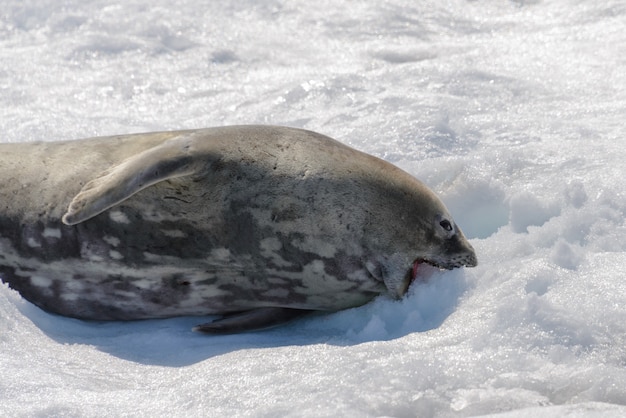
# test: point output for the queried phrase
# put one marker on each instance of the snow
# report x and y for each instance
(512, 111)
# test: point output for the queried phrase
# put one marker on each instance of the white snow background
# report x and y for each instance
(514, 112)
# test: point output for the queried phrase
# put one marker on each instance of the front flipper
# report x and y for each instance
(254, 320)
(173, 158)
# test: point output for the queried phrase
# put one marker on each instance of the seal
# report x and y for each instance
(259, 224)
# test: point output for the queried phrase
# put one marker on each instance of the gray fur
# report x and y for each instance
(213, 221)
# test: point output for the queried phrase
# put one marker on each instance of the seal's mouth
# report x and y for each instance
(422, 269)
(418, 266)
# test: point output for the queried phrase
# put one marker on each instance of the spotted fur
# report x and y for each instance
(213, 221)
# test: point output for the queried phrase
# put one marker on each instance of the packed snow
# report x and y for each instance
(512, 111)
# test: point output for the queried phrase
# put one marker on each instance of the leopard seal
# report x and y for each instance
(256, 223)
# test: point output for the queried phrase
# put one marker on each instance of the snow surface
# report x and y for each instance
(512, 111)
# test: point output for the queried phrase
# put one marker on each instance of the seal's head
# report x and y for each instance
(420, 231)
(449, 248)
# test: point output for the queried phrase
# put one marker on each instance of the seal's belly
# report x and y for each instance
(141, 260)
(154, 293)
(102, 288)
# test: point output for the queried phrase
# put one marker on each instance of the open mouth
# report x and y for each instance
(418, 265)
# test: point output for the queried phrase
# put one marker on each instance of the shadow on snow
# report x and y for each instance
(170, 342)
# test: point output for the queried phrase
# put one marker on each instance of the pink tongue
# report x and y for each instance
(416, 263)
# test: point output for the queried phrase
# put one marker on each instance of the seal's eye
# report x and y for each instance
(445, 224)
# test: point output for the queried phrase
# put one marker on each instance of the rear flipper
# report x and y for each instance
(254, 320)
